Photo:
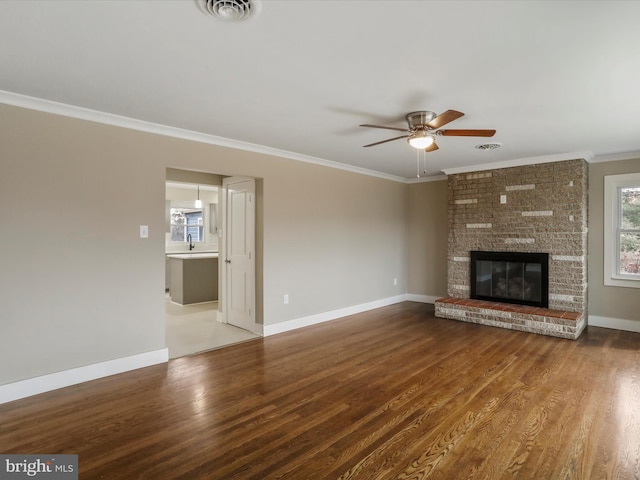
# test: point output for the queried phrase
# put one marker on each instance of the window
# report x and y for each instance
(622, 230)
(185, 222)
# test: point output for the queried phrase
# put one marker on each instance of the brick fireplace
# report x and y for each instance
(528, 209)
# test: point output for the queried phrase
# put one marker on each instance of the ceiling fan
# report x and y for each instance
(424, 126)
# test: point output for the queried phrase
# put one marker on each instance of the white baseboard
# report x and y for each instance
(614, 323)
(53, 381)
(327, 316)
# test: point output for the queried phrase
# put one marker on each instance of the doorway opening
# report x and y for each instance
(196, 279)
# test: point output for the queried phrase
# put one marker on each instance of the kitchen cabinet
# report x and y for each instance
(193, 277)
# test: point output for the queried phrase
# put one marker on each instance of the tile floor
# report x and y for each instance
(193, 328)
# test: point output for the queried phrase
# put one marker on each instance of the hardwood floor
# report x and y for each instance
(393, 393)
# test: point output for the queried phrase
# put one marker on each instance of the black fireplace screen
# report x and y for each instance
(510, 277)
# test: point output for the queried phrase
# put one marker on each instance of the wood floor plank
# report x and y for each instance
(393, 393)
(486, 455)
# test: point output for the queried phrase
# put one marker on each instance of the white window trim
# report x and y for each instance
(189, 204)
(611, 213)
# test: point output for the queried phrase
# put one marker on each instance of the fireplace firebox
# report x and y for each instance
(510, 277)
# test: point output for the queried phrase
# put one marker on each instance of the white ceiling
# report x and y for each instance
(552, 77)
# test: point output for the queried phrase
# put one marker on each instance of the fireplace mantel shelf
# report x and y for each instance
(545, 321)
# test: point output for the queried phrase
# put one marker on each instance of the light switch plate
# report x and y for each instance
(144, 231)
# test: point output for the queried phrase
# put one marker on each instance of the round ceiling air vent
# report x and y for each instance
(230, 10)
(488, 146)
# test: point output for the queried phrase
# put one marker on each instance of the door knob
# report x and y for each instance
(227, 261)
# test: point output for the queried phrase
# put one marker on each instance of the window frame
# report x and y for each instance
(613, 184)
(188, 205)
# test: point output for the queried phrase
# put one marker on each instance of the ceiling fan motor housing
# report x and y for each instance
(419, 120)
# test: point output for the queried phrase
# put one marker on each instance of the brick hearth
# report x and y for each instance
(544, 321)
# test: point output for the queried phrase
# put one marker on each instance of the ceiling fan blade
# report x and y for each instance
(385, 141)
(431, 147)
(388, 128)
(467, 133)
(444, 118)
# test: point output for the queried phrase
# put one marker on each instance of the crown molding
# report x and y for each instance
(585, 155)
(616, 157)
(81, 113)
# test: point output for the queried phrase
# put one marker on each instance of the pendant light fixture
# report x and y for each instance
(198, 201)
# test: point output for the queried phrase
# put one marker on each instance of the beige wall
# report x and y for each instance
(332, 240)
(427, 239)
(604, 301)
(78, 286)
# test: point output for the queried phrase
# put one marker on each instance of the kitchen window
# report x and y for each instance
(185, 222)
(622, 230)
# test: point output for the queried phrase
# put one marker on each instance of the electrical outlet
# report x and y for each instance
(395, 281)
(286, 298)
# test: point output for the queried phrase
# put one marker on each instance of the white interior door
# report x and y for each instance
(239, 252)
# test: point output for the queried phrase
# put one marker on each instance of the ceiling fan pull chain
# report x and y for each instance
(418, 163)
(424, 162)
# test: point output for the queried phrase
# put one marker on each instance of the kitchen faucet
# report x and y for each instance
(191, 245)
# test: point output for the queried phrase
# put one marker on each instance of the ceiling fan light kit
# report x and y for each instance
(424, 126)
(420, 139)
